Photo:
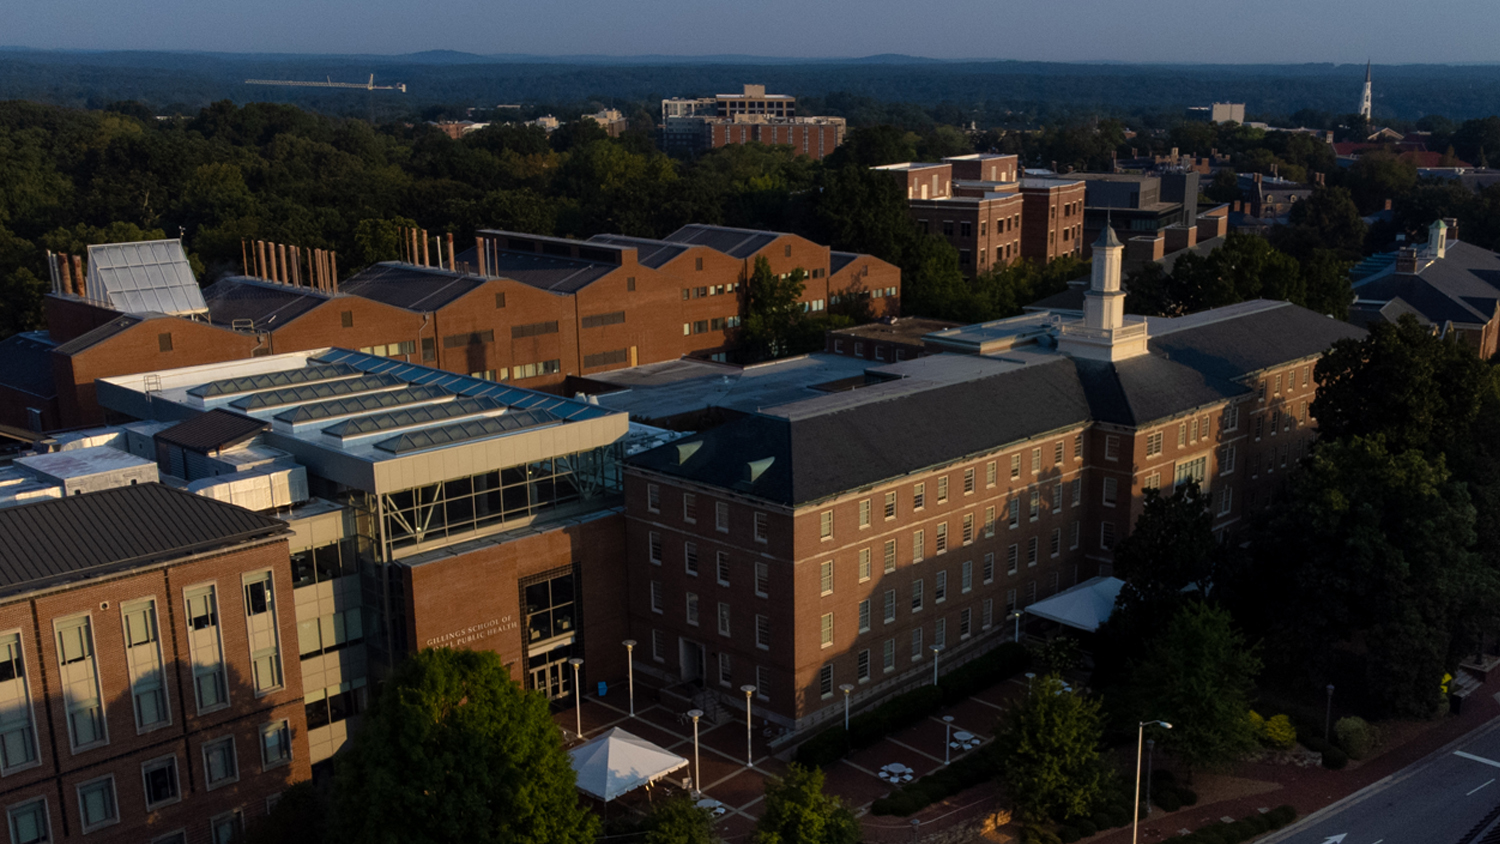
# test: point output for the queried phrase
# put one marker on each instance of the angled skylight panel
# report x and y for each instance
(272, 380)
(317, 392)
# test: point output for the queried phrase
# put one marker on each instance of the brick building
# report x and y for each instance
(146, 697)
(1451, 286)
(537, 311)
(840, 536)
(697, 124)
(990, 211)
(889, 340)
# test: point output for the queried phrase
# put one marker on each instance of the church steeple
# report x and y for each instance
(1364, 101)
(1104, 333)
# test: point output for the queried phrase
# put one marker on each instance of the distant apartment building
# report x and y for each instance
(696, 124)
(1137, 204)
(978, 203)
(149, 674)
(521, 308)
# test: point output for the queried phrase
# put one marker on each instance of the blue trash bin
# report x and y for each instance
(603, 688)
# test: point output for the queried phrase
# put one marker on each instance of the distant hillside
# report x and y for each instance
(444, 77)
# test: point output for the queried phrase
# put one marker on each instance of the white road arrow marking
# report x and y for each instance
(1335, 839)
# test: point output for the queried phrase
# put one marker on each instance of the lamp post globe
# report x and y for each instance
(846, 688)
(577, 696)
(695, 714)
(630, 671)
(749, 753)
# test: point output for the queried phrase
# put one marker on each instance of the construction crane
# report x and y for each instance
(362, 86)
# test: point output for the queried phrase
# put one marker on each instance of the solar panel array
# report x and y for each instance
(475, 429)
(412, 416)
(149, 277)
(315, 392)
(272, 380)
(365, 403)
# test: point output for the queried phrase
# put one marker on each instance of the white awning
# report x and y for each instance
(618, 761)
(1085, 606)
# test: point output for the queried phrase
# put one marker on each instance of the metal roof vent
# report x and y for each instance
(686, 450)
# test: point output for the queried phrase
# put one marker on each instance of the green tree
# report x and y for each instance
(1199, 675)
(1048, 744)
(798, 812)
(455, 750)
(1328, 219)
(677, 820)
(774, 315)
(300, 817)
(1402, 383)
(1326, 275)
(1171, 548)
(1224, 186)
(1370, 557)
(379, 240)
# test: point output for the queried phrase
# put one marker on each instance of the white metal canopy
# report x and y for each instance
(618, 761)
(1085, 606)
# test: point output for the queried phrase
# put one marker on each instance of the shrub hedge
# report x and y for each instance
(902, 711)
(1241, 830)
(1356, 736)
(1334, 759)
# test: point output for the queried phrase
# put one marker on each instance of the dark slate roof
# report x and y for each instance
(740, 243)
(820, 455)
(1201, 249)
(89, 339)
(651, 253)
(1463, 286)
(99, 533)
(838, 260)
(1068, 300)
(265, 304)
(26, 364)
(1140, 390)
(1229, 343)
(546, 272)
(212, 431)
(411, 287)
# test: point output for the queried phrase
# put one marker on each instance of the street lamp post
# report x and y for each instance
(695, 714)
(1030, 676)
(1017, 616)
(1135, 823)
(749, 755)
(630, 671)
(935, 649)
(1150, 763)
(947, 738)
(846, 688)
(1328, 714)
(577, 695)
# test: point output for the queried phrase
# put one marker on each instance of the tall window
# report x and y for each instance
(825, 524)
(762, 579)
(656, 596)
(864, 513)
(890, 605)
(942, 492)
(940, 588)
(968, 480)
(689, 508)
(653, 498)
(1015, 466)
(762, 527)
(219, 763)
(989, 474)
(763, 632)
(916, 595)
(144, 659)
(916, 644)
(206, 648)
(966, 576)
(723, 619)
(1153, 444)
(918, 546)
(825, 626)
(1036, 504)
(825, 577)
(29, 824)
(888, 655)
(1111, 491)
(1031, 546)
(968, 528)
(890, 505)
(942, 537)
(987, 568)
(965, 622)
(721, 516)
(864, 616)
(989, 522)
(1036, 460)
(762, 682)
(690, 558)
(862, 665)
(940, 633)
(17, 735)
(80, 682)
(653, 547)
(1012, 558)
(726, 670)
(160, 778)
(275, 744)
(890, 556)
(264, 634)
(721, 567)
(919, 496)
(692, 608)
(97, 807)
(864, 564)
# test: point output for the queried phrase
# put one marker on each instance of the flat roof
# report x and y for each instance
(672, 388)
(903, 330)
(371, 422)
(52, 542)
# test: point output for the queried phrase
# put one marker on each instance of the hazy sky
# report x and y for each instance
(1242, 31)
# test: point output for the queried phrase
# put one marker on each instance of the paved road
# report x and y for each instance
(1435, 801)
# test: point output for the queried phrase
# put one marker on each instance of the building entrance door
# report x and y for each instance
(690, 658)
(549, 671)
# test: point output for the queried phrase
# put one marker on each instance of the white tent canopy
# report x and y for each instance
(617, 762)
(1085, 606)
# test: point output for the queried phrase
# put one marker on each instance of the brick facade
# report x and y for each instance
(59, 769)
